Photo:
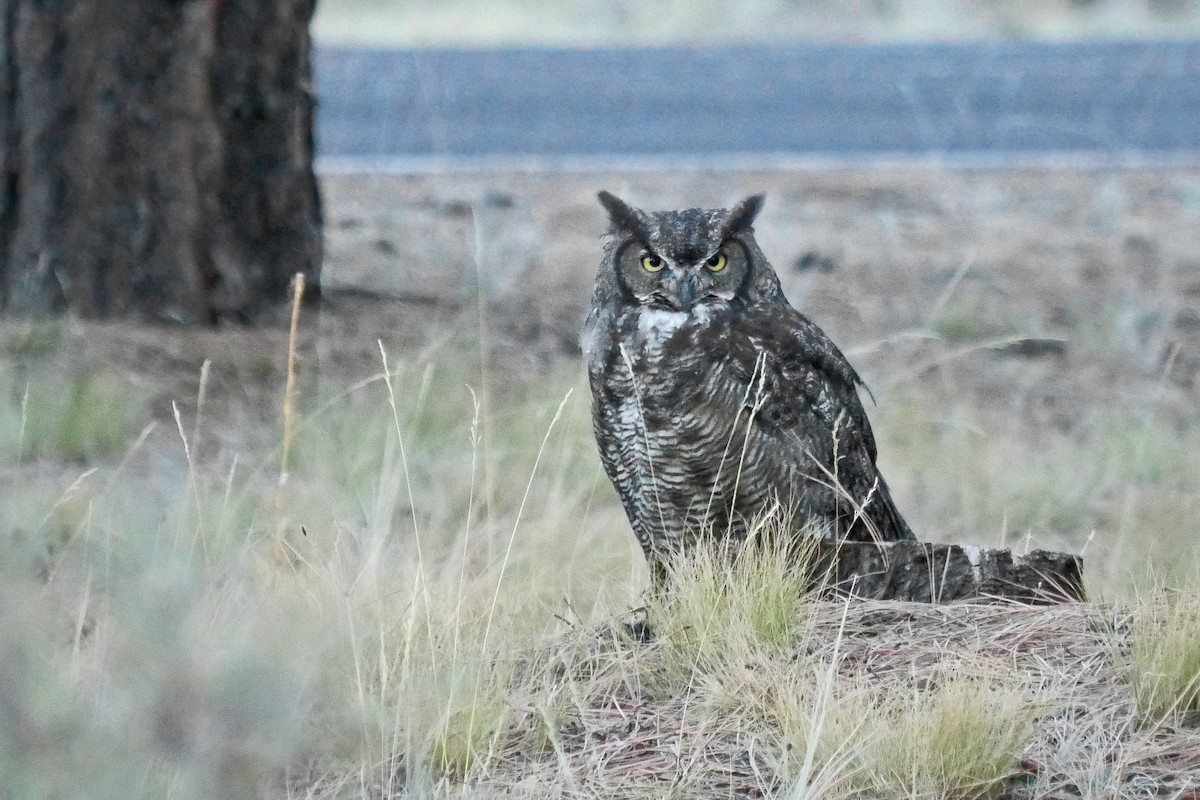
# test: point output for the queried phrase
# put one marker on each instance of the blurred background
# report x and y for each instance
(468, 23)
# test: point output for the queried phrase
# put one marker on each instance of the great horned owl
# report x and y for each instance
(714, 402)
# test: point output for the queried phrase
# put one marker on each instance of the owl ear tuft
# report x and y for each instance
(741, 217)
(624, 216)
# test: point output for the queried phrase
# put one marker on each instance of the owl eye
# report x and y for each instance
(652, 263)
(716, 263)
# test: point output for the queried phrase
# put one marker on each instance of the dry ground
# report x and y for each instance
(1032, 340)
(1003, 320)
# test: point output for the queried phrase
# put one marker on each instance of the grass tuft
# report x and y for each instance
(1163, 663)
(72, 414)
(960, 739)
(724, 606)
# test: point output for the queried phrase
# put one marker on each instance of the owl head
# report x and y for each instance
(681, 260)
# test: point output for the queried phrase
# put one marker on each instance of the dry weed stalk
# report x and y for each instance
(289, 423)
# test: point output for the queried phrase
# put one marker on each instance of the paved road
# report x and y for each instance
(1127, 100)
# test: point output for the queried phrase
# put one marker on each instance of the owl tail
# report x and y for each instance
(888, 522)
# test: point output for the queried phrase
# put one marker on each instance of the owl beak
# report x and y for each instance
(685, 292)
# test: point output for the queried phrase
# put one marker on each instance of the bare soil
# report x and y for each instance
(1098, 269)
(1033, 305)
(1034, 301)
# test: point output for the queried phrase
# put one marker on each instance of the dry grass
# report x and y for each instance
(1161, 657)
(449, 621)
(434, 603)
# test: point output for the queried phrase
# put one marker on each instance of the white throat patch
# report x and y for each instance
(659, 323)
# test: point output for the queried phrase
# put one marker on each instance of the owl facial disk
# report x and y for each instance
(685, 280)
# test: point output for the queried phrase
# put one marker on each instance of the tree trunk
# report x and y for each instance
(155, 157)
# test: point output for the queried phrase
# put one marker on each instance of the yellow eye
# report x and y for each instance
(652, 263)
(716, 263)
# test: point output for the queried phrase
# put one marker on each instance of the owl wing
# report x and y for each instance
(804, 395)
(807, 382)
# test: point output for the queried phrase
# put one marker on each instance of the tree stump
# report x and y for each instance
(942, 573)
(156, 157)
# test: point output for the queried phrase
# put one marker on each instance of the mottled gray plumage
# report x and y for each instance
(715, 402)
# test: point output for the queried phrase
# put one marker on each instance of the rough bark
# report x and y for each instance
(942, 573)
(155, 157)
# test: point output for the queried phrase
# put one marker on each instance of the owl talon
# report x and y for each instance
(638, 628)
